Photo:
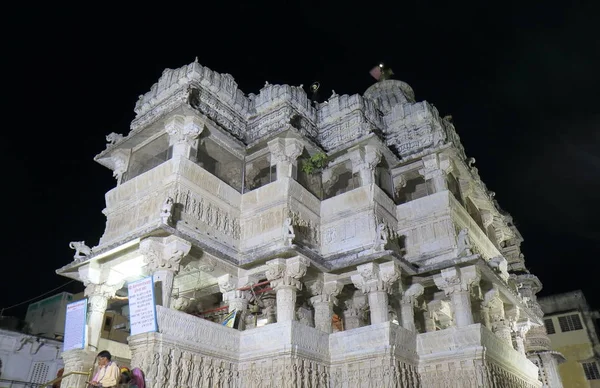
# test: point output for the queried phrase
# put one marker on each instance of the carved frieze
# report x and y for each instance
(207, 212)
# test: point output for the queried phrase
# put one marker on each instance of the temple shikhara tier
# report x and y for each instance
(353, 238)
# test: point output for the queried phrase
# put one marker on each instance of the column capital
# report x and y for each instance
(285, 150)
(164, 254)
(183, 129)
(324, 291)
(435, 165)
(287, 272)
(103, 289)
(374, 277)
(364, 157)
(452, 280)
(411, 295)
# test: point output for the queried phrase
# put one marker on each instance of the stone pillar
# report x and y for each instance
(98, 296)
(456, 283)
(183, 134)
(364, 161)
(270, 309)
(376, 281)
(237, 299)
(435, 168)
(354, 315)
(162, 257)
(407, 305)
(323, 301)
(78, 360)
(284, 153)
(284, 275)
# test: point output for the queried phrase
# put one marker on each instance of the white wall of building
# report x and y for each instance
(28, 358)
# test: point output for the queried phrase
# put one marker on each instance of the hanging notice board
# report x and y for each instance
(75, 325)
(142, 307)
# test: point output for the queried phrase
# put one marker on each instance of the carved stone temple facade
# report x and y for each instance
(391, 266)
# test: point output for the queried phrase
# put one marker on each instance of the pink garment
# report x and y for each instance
(138, 377)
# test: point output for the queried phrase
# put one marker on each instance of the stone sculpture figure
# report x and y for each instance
(166, 211)
(288, 231)
(381, 238)
(113, 138)
(464, 243)
(81, 250)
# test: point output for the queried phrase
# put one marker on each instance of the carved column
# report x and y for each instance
(364, 161)
(98, 296)
(77, 361)
(435, 168)
(284, 275)
(456, 283)
(494, 306)
(183, 134)
(407, 305)
(162, 257)
(323, 301)
(376, 281)
(284, 153)
(354, 315)
(237, 299)
(270, 309)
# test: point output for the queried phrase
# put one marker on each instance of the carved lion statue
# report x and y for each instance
(112, 138)
(81, 250)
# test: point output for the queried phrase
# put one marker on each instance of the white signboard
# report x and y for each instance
(75, 325)
(142, 308)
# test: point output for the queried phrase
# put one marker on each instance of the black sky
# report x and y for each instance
(520, 80)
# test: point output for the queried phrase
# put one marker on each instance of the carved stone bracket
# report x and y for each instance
(119, 161)
(412, 294)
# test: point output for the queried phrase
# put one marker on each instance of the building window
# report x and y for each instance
(591, 370)
(549, 326)
(570, 323)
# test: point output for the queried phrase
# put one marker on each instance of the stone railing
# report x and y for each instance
(427, 226)
(478, 341)
(347, 221)
(479, 239)
(263, 214)
(197, 332)
(365, 342)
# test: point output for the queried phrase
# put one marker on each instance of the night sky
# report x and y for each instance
(520, 81)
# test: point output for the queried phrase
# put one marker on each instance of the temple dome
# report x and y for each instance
(389, 93)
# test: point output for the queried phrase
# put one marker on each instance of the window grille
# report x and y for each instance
(591, 370)
(549, 326)
(39, 373)
(570, 323)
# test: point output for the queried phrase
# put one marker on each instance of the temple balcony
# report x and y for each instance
(431, 225)
(204, 204)
(349, 220)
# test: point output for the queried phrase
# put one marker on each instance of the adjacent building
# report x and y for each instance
(354, 238)
(573, 331)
